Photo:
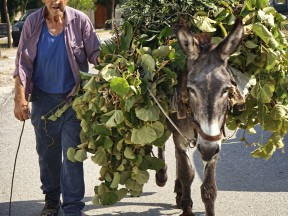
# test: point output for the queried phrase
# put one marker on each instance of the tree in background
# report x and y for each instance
(8, 24)
(13, 7)
(82, 4)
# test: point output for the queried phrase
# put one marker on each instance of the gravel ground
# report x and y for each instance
(7, 66)
(7, 62)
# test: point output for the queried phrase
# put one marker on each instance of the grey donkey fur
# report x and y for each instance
(206, 91)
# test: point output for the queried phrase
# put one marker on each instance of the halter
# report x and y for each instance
(195, 125)
(207, 137)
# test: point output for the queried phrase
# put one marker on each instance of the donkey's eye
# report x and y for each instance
(192, 91)
(224, 91)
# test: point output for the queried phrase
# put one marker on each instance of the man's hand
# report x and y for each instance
(98, 60)
(21, 106)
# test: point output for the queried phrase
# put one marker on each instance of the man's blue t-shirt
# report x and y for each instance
(52, 72)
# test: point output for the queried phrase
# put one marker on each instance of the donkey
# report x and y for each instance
(206, 92)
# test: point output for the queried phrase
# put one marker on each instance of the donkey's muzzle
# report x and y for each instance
(208, 150)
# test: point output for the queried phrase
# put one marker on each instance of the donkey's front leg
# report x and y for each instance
(185, 176)
(209, 187)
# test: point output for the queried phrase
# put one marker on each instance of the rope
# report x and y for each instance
(15, 161)
(188, 141)
(14, 168)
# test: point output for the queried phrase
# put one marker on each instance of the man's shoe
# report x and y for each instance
(51, 207)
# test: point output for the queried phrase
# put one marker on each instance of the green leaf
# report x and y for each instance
(100, 157)
(267, 123)
(108, 72)
(109, 198)
(121, 167)
(250, 58)
(120, 86)
(264, 92)
(262, 3)
(135, 193)
(103, 171)
(133, 185)
(250, 44)
(128, 153)
(85, 125)
(129, 103)
(59, 112)
(116, 180)
(148, 114)
(143, 135)
(271, 59)
(261, 31)
(70, 154)
(159, 128)
(267, 18)
(140, 176)
(108, 143)
(278, 112)
(145, 50)
(152, 163)
(204, 23)
(101, 129)
(102, 188)
(124, 176)
(96, 200)
(91, 85)
(165, 32)
(148, 63)
(121, 193)
(80, 155)
(115, 119)
(126, 37)
(277, 140)
(160, 142)
(119, 145)
(284, 129)
(108, 177)
(161, 53)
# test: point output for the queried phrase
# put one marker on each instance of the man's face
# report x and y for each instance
(55, 7)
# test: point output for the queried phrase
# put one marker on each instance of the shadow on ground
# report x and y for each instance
(34, 207)
(237, 170)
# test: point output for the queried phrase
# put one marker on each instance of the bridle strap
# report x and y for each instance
(205, 136)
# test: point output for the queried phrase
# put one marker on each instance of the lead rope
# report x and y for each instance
(15, 161)
(189, 142)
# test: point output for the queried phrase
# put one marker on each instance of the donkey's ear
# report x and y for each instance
(188, 43)
(230, 44)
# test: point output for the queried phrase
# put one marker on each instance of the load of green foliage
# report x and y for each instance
(262, 56)
(120, 120)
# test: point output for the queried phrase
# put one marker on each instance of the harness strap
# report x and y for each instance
(210, 138)
(189, 142)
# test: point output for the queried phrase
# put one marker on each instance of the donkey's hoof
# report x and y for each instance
(188, 212)
(161, 177)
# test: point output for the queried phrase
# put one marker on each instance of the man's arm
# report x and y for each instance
(21, 108)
